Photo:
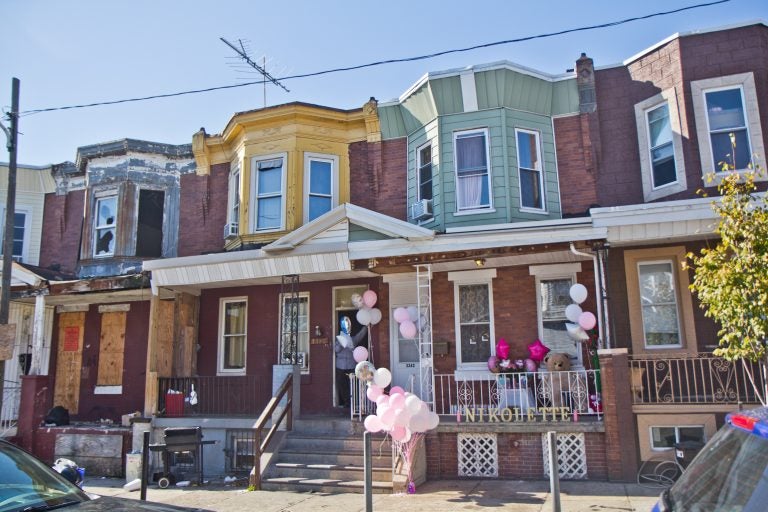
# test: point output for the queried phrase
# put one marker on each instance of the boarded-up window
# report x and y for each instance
(149, 231)
(69, 360)
(111, 349)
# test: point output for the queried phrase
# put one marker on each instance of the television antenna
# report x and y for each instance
(261, 69)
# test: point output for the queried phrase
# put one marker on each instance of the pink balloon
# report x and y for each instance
(373, 392)
(398, 433)
(360, 354)
(492, 362)
(372, 423)
(388, 418)
(587, 320)
(395, 390)
(537, 350)
(369, 298)
(502, 349)
(401, 315)
(408, 329)
(530, 365)
(397, 401)
(382, 399)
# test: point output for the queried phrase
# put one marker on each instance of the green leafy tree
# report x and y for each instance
(731, 278)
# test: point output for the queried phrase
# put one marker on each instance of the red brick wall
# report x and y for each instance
(203, 211)
(621, 450)
(674, 64)
(62, 223)
(575, 165)
(378, 175)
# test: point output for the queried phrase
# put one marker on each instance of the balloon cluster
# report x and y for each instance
(399, 413)
(501, 362)
(579, 321)
(409, 320)
(366, 313)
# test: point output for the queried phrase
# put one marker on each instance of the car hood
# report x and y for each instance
(110, 504)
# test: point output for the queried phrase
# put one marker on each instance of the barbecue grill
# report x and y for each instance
(182, 455)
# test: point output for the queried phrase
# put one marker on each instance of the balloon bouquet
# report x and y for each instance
(580, 323)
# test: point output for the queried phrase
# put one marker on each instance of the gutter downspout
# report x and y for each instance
(602, 305)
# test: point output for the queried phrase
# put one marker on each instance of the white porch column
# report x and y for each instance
(39, 359)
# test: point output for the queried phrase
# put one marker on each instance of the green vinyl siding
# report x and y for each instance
(565, 97)
(512, 89)
(429, 133)
(447, 95)
(391, 121)
(361, 234)
(418, 109)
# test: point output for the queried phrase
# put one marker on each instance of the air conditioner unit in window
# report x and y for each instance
(421, 209)
(231, 229)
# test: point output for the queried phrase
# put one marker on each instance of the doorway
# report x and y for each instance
(343, 307)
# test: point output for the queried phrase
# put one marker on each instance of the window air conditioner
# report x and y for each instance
(230, 229)
(421, 209)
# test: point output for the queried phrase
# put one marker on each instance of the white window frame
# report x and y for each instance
(488, 175)
(549, 273)
(302, 296)
(220, 370)
(465, 278)
(746, 82)
(97, 199)
(234, 199)
(539, 170)
(642, 109)
(676, 292)
(254, 199)
(421, 165)
(677, 435)
(25, 240)
(334, 161)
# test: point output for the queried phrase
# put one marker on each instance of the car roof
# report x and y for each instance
(754, 421)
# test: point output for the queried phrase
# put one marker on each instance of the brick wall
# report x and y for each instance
(378, 174)
(203, 211)
(621, 450)
(575, 164)
(62, 223)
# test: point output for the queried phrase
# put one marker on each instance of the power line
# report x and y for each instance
(383, 62)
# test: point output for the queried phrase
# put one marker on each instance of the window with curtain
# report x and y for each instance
(474, 323)
(472, 170)
(233, 335)
(268, 176)
(299, 308)
(105, 226)
(530, 170)
(320, 189)
(661, 148)
(425, 171)
(658, 299)
(554, 297)
(727, 118)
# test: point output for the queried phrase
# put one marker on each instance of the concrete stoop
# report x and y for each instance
(326, 455)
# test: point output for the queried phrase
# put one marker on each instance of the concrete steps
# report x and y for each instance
(326, 455)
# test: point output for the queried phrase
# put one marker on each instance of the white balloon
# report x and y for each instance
(357, 300)
(433, 421)
(572, 312)
(576, 332)
(364, 316)
(578, 293)
(413, 404)
(382, 377)
(413, 312)
(375, 314)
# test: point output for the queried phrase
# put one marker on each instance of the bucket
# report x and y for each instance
(132, 466)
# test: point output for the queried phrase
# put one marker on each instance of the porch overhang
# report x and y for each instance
(688, 219)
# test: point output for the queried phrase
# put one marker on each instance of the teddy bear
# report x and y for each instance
(554, 384)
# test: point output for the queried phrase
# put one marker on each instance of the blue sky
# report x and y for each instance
(84, 51)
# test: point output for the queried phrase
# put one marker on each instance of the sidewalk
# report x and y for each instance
(432, 496)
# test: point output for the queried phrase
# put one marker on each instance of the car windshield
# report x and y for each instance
(724, 475)
(28, 484)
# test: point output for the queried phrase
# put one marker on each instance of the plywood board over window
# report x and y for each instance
(111, 349)
(69, 360)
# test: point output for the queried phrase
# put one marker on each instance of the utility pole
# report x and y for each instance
(12, 135)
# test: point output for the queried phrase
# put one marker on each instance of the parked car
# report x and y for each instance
(730, 473)
(29, 485)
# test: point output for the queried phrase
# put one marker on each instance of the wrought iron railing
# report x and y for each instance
(9, 414)
(577, 391)
(699, 379)
(241, 395)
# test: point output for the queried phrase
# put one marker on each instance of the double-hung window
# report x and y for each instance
(233, 210)
(473, 176)
(19, 231)
(727, 123)
(665, 437)
(105, 226)
(268, 192)
(658, 300)
(530, 170)
(662, 151)
(424, 166)
(321, 183)
(232, 334)
(473, 306)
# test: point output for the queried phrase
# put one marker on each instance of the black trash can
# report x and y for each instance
(685, 451)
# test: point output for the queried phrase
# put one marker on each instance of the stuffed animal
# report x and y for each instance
(555, 385)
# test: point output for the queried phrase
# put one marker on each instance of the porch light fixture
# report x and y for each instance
(480, 262)
(318, 331)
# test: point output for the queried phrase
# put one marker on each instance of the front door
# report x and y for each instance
(404, 352)
(69, 360)
(342, 300)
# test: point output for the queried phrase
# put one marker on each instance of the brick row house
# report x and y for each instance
(478, 198)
